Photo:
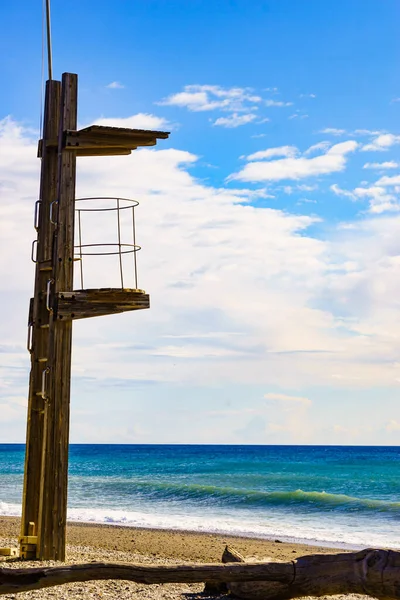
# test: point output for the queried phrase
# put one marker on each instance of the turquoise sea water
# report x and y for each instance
(327, 494)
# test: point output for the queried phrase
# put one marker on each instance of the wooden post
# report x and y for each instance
(54, 480)
(39, 318)
(53, 309)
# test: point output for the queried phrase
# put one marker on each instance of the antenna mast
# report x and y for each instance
(49, 49)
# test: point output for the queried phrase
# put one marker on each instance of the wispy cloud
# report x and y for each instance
(298, 115)
(336, 189)
(391, 164)
(356, 132)
(380, 200)
(382, 143)
(333, 131)
(298, 167)
(271, 152)
(317, 147)
(389, 181)
(115, 85)
(199, 98)
(277, 103)
(307, 96)
(235, 120)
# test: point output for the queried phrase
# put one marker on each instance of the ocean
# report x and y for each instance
(332, 495)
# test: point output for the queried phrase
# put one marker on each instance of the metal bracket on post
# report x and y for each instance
(36, 217)
(44, 382)
(51, 212)
(34, 251)
(48, 290)
(29, 345)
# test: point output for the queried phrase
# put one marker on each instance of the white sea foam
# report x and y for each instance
(10, 510)
(306, 531)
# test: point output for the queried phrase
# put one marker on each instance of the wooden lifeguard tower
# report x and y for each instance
(56, 304)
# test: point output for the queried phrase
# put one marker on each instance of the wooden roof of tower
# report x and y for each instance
(100, 140)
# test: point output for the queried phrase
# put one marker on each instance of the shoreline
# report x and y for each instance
(88, 542)
(172, 543)
(245, 537)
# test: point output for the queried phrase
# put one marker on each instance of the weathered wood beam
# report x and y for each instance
(110, 151)
(53, 500)
(114, 151)
(77, 139)
(370, 572)
(39, 316)
(84, 304)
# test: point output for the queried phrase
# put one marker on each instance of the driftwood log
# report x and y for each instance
(372, 572)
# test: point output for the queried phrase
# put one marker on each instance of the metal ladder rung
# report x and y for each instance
(46, 326)
(43, 359)
(45, 268)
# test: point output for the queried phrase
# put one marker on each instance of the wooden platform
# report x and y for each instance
(98, 140)
(82, 304)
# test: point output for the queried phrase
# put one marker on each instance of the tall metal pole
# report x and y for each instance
(49, 48)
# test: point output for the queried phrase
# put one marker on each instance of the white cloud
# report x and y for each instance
(307, 188)
(340, 192)
(198, 98)
(309, 311)
(316, 147)
(391, 164)
(277, 103)
(270, 152)
(284, 398)
(306, 201)
(367, 132)
(138, 121)
(379, 199)
(297, 115)
(382, 142)
(115, 85)
(307, 96)
(389, 181)
(333, 160)
(235, 120)
(333, 131)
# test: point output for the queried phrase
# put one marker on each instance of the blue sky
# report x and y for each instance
(269, 221)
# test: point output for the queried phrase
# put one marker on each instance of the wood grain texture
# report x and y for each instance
(373, 572)
(38, 314)
(53, 499)
(21, 580)
(84, 304)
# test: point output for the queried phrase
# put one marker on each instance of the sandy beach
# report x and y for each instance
(87, 542)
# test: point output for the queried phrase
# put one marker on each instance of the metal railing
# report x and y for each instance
(119, 247)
